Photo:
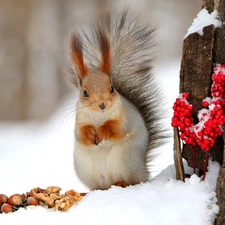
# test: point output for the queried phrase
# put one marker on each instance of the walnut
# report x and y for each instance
(52, 189)
(34, 191)
(55, 196)
(45, 198)
(51, 197)
(74, 194)
(64, 203)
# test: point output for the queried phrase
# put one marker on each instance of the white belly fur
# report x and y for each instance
(99, 167)
(93, 165)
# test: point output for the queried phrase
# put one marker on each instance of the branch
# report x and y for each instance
(178, 156)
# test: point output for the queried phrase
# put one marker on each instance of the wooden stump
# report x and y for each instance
(196, 79)
(200, 55)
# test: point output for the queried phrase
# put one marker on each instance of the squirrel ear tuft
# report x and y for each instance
(77, 55)
(105, 51)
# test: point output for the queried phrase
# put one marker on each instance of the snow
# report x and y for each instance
(204, 18)
(40, 155)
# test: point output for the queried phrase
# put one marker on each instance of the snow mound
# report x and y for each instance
(204, 18)
(162, 201)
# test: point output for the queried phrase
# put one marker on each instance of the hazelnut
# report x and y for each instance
(3, 199)
(15, 200)
(32, 201)
(6, 208)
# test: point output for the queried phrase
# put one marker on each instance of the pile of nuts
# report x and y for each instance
(48, 198)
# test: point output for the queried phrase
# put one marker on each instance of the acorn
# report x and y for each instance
(3, 199)
(32, 201)
(15, 200)
(6, 208)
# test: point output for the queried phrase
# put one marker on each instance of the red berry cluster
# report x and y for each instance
(217, 89)
(211, 118)
(182, 118)
(210, 122)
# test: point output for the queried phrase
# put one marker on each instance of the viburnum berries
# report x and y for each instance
(211, 117)
(182, 118)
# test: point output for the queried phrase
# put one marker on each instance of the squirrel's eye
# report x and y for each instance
(86, 95)
(112, 89)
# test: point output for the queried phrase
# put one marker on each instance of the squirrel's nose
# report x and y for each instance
(102, 105)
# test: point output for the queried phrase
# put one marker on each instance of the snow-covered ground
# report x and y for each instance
(34, 155)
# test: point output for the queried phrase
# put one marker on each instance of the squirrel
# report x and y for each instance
(117, 113)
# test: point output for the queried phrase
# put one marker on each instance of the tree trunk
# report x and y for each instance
(196, 79)
(200, 55)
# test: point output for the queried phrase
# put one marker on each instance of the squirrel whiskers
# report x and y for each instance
(118, 121)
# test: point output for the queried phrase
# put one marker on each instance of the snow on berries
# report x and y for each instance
(211, 117)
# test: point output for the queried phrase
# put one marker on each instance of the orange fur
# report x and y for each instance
(87, 134)
(110, 130)
(77, 54)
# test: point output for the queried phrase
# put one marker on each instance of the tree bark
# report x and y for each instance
(221, 10)
(218, 53)
(208, 4)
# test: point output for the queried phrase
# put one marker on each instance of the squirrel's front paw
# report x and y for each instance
(103, 133)
(88, 135)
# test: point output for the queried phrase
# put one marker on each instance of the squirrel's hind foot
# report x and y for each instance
(120, 184)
